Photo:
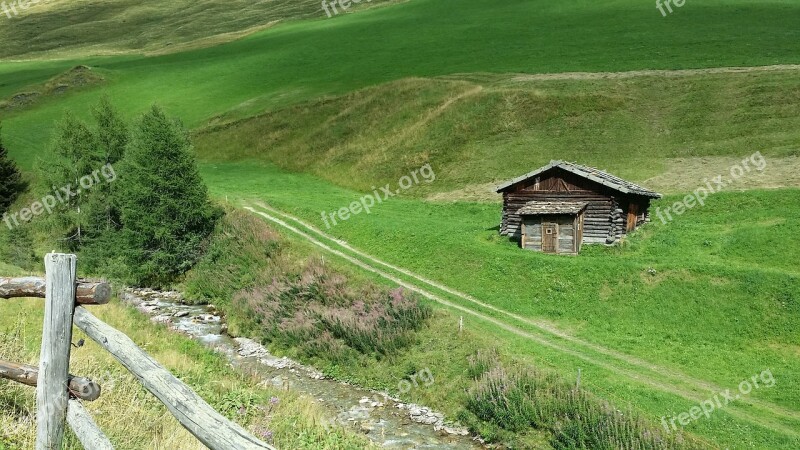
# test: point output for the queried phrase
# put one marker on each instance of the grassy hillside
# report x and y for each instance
(302, 60)
(712, 294)
(308, 115)
(61, 28)
(251, 262)
(483, 129)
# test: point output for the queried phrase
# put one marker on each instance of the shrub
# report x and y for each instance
(16, 248)
(318, 313)
(242, 252)
(515, 400)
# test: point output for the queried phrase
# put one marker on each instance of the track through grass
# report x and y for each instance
(698, 391)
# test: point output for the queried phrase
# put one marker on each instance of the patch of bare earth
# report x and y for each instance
(483, 193)
(687, 174)
(682, 175)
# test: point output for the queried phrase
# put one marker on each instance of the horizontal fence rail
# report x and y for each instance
(86, 292)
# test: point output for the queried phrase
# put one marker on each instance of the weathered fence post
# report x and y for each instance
(51, 391)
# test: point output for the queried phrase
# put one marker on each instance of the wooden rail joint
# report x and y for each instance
(79, 387)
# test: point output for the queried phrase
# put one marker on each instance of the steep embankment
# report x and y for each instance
(474, 131)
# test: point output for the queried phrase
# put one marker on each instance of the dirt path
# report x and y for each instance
(670, 386)
(653, 73)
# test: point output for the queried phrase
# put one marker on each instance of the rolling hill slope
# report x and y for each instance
(479, 130)
(310, 113)
(58, 28)
(303, 60)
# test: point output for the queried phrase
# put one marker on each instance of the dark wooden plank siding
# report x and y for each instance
(566, 238)
(606, 217)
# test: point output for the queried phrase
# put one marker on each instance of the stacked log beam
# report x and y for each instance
(597, 218)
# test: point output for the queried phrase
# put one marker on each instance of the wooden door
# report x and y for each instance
(549, 237)
(633, 216)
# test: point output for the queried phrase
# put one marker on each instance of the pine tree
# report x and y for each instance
(112, 137)
(73, 154)
(112, 131)
(165, 210)
(11, 184)
(101, 235)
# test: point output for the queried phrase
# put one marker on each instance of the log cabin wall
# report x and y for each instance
(606, 216)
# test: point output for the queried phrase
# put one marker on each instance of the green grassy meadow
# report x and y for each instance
(721, 304)
(59, 28)
(482, 130)
(304, 60)
(308, 114)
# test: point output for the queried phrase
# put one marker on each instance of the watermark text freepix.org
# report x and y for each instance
(719, 400)
(59, 196)
(756, 161)
(666, 3)
(12, 9)
(425, 376)
(344, 4)
(378, 196)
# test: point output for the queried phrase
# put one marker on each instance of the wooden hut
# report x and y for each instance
(559, 207)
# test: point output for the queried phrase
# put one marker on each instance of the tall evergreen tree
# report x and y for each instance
(112, 136)
(101, 236)
(112, 131)
(11, 184)
(73, 154)
(165, 210)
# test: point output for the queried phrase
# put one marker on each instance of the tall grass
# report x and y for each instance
(134, 419)
(520, 398)
(320, 314)
(267, 293)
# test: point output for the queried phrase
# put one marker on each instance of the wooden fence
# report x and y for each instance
(59, 394)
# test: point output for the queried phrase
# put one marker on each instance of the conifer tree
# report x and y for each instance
(165, 210)
(11, 184)
(73, 154)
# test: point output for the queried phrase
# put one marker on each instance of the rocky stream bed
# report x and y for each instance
(385, 420)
